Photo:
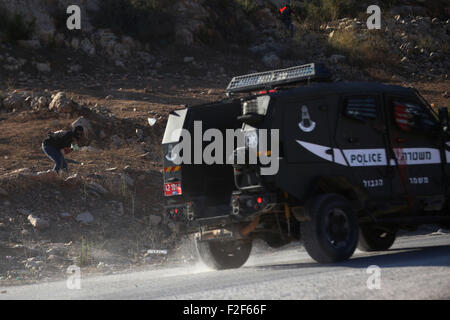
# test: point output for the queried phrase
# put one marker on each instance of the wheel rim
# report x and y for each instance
(337, 228)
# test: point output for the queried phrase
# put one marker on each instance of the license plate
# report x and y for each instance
(172, 189)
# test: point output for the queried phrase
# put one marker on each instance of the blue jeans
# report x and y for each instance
(56, 156)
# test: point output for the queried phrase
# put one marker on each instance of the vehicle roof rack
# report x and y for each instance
(271, 79)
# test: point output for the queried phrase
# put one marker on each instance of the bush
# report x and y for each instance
(145, 20)
(226, 24)
(248, 6)
(14, 27)
(370, 50)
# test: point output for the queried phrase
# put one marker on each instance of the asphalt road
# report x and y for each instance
(417, 267)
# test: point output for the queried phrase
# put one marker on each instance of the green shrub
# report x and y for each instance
(14, 27)
(248, 6)
(145, 20)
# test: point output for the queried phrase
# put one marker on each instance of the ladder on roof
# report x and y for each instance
(270, 79)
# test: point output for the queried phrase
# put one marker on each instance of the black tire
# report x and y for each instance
(332, 234)
(372, 238)
(221, 255)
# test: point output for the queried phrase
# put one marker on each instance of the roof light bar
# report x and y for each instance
(267, 79)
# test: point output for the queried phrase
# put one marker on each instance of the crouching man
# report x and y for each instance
(61, 141)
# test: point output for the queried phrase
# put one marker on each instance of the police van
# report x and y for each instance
(355, 163)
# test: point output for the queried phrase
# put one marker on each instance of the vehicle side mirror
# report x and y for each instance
(443, 118)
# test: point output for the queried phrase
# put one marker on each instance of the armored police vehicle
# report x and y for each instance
(351, 165)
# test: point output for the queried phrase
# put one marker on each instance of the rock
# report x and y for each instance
(337, 58)
(271, 60)
(82, 121)
(145, 155)
(61, 103)
(151, 121)
(188, 59)
(140, 134)
(146, 57)
(21, 172)
(72, 178)
(87, 47)
(40, 103)
(85, 218)
(403, 60)
(13, 101)
(155, 219)
(184, 37)
(38, 223)
(434, 56)
(119, 63)
(65, 215)
(97, 188)
(43, 67)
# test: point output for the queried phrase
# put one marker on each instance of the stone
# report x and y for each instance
(97, 188)
(43, 67)
(188, 59)
(184, 37)
(65, 215)
(38, 223)
(140, 134)
(87, 47)
(13, 101)
(61, 103)
(85, 218)
(82, 121)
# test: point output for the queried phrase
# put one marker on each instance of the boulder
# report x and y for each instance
(14, 101)
(85, 218)
(43, 67)
(38, 223)
(82, 121)
(61, 103)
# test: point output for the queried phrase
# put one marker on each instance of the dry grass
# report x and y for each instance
(362, 50)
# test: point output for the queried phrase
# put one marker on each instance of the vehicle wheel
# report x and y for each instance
(220, 255)
(372, 238)
(332, 233)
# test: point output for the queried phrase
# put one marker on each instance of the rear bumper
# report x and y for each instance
(244, 207)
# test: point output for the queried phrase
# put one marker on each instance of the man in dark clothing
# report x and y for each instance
(61, 140)
(285, 16)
